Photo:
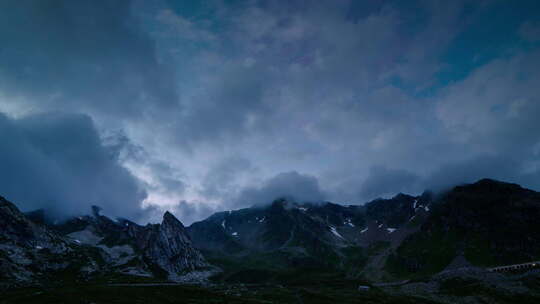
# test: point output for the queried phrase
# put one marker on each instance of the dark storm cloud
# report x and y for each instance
(498, 167)
(530, 31)
(226, 108)
(82, 56)
(89, 57)
(192, 212)
(292, 185)
(57, 162)
(220, 180)
(387, 182)
(166, 179)
(352, 99)
(221, 183)
(383, 181)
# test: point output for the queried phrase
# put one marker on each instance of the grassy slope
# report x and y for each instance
(491, 223)
(318, 292)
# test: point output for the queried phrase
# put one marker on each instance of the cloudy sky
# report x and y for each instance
(201, 106)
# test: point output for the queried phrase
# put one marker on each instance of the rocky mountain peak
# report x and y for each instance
(7, 206)
(488, 185)
(155, 249)
(170, 248)
(170, 219)
(173, 230)
(22, 244)
(401, 196)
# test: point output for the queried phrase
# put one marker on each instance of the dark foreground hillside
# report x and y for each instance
(485, 224)
(464, 288)
(321, 291)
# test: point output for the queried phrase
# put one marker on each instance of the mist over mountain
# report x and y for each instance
(57, 162)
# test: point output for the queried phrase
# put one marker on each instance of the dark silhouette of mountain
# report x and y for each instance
(487, 223)
(287, 234)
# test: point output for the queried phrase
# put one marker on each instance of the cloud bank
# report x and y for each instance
(219, 105)
(57, 162)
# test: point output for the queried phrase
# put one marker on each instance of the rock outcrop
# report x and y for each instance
(168, 246)
(27, 249)
(32, 252)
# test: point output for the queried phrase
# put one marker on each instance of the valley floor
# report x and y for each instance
(466, 286)
(166, 293)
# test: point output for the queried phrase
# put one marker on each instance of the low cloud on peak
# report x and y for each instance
(57, 162)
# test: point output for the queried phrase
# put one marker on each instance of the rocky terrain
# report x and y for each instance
(29, 250)
(426, 249)
(484, 224)
(286, 234)
(487, 223)
(472, 285)
(33, 252)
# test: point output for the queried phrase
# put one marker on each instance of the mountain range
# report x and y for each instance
(487, 223)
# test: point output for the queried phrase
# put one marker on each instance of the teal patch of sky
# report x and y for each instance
(413, 18)
(205, 14)
(191, 9)
(491, 33)
(203, 11)
(178, 51)
(171, 47)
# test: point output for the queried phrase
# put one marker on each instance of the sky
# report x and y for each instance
(201, 106)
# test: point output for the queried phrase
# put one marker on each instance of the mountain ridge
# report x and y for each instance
(90, 246)
(482, 224)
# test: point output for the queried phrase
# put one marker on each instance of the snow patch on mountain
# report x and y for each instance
(334, 231)
(86, 236)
